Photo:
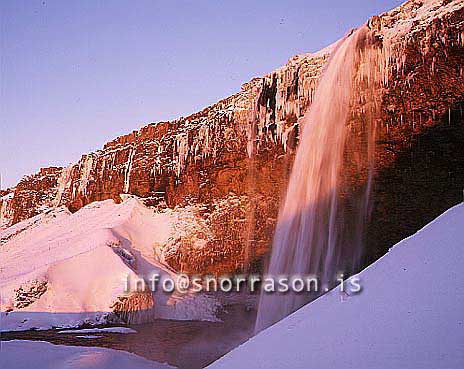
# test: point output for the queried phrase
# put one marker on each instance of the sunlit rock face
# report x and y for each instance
(419, 155)
(31, 196)
(232, 159)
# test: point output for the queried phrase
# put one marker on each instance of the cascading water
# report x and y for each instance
(320, 225)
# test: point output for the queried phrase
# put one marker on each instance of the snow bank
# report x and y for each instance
(408, 315)
(28, 354)
(101, 330)
(62, 270)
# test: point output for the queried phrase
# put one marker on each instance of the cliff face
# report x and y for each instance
(238, 147)
(233, 157)
(419, 153)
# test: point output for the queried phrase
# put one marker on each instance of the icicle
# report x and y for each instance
(6, 210)
(86, 167)
(182, 152)
(127, 171)
(63, 184)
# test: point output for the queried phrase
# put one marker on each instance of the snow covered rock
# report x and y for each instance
(63, 270)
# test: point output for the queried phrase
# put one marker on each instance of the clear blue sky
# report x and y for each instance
(75, 74)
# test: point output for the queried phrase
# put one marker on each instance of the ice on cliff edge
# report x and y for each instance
(410, 313)
(62, 270)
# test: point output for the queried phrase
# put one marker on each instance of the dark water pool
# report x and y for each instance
(184, 344)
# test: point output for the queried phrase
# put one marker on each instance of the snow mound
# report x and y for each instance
(28, 354)
(408, 315)
(62, 270)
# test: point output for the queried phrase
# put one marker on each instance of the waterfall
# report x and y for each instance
(320, 226)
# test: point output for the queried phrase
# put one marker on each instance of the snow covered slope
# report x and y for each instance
(60, 269)
(410, 313)
(44, 355)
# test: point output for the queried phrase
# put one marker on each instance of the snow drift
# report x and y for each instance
(44, 355)
(408, 315)
(62, 270)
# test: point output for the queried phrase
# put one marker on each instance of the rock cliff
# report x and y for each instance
(232, 159)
